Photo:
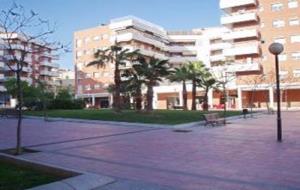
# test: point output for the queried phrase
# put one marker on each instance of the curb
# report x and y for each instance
(76, 180)
(128, 124)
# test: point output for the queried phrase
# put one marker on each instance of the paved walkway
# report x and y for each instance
(242, 155)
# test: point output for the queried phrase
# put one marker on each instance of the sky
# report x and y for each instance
(73, 15)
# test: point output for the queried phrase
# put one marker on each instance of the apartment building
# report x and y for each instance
(39, 65)
(254, 25)
(133, 33)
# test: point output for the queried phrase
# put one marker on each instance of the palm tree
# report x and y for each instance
(207, 81)
(181, 75)
(153, 70)
(134, 83)
(116, 55)
(195, 70)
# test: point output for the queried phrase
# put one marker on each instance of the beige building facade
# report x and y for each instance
(254, 25)
(236, 52)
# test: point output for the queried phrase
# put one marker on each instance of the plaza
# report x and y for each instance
(241, 155)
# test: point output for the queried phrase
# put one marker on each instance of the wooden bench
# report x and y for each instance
(213, 119)
(178, 107)
(6, 112)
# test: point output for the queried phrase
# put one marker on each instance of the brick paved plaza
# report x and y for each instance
(242, 155)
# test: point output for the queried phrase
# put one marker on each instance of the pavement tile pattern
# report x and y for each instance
(242, 155)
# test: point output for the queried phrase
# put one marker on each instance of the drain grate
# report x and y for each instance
(182, 130)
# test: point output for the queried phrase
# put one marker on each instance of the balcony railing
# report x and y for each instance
(239, 67)
(49, 73)
(134, 35)
(180, 59)
(225, 4)
(214, 58)
(239, 17)
(219, 46)
(243, 49)
(250, 33)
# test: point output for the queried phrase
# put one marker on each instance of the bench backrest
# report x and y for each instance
(211, 116)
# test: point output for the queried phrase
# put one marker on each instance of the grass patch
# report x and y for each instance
(14, 177)
(157, 117)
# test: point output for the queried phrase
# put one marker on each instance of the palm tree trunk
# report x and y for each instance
(117, 80)
(149, 98)
(184, 96)
(194, 95)
(138, 99)
(205, 103)
(20, 104)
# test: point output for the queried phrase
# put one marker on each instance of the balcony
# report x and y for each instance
(182, 48)
(219, 46)
(24, 69)
(146, 52)
(239, 17)
(49, 64)
(251, 33)
(142, 37)
(244, 67)
(49, 73)
(244, 49)
(180, 59)
(2, 89)
(215, 58)
(2, 77)
(227, 4)
(238, 67)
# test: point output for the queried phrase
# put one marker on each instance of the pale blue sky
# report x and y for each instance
(72, 15)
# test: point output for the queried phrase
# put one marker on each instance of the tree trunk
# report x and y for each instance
(225, 104)
(138, 99)
(205, 103)
(149, 98)
(194, 95)
(117, 80)
(19, 107)
(184, 96)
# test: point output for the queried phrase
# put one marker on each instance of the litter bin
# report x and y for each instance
(245, 112)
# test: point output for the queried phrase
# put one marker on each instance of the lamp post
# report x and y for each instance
(276, 49)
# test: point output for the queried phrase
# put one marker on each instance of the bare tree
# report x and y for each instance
(223, 78)
(24, 33)
(254, 83)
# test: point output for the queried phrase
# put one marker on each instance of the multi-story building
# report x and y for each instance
(254, 25)
(133, 33)
(66, 79)
(237, 53)
(38, 63)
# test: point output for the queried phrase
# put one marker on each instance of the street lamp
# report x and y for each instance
(276, 49)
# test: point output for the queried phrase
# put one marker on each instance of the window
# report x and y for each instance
(283, 74)
(106, 74)
(282, 57)
(78, 53)
(97, 75)
(297, 73)
(293, 4)
(87, 87)
(96, 38)
(86, 40)
(97, 86)
(294, 22)
(280, 40)
(88, 75)
(296, 55)
(278, 23)
(78, 43)
(295, 39)
(277, 7)
(105, 36)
